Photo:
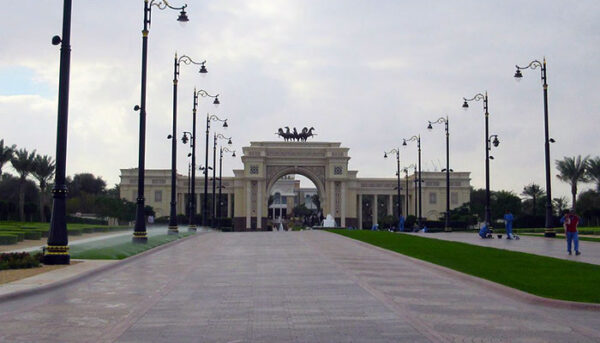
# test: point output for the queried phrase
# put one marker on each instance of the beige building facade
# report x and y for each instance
(348, 198)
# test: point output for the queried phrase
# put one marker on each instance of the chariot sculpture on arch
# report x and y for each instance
(294, 135)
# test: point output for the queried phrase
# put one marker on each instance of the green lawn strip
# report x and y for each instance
(588, 239)
(540, 275)
(119, 248)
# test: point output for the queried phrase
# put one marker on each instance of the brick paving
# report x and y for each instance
(307, 286)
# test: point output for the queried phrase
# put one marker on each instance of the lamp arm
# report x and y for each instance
(163, 4)
(532, 65)
(204, 93)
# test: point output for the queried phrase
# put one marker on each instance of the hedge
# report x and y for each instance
(19, 260)
(20, 234)
(88, 230)
(74, 232)
(7, 238)
(32, 234)
(101, 229)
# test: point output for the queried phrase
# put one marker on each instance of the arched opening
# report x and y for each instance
(294, 201)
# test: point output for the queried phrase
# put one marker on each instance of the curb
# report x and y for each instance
(76, 278)
(499, 288)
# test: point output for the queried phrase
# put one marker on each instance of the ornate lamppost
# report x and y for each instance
(406, 181)
(484, 98)
(214, 181)
(397, 151)
(139, 233)
(209, 118)
(176, 67)
(445, 121)
(219, 208)
(549, 231)
(57, 249)
(216, 102)
(418, 140)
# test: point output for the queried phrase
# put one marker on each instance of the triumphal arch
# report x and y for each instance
(325, 164)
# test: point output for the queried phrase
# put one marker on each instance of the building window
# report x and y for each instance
(157, 196)
(337, 170)
(253, 169)
(433, 198)
(454, 198)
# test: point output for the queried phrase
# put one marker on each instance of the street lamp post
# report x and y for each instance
(418, 140)
(139, 233)
(549, 231)
(465, 106)
(216, 102)
(188, 136)
(214, 181)
(209, 118)
(397, 151)
(57, 249)
(406, 191)
(430, 127)
(219, 208)
(176, 67)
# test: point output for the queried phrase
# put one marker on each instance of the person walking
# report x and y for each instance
(508, 222)
(401, 223)
(570, 221)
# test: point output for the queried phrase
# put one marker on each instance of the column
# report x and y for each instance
(375, 208)
(360, 211)
(332, 202)
(343, 204)
(248, 204)
(259, 205)
(228, 205)
(390, 205)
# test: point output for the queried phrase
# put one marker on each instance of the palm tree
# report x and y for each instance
(22, 161)
(6, 153)
(593, 171)
(573, 170)
(43, 170)
(534, 191)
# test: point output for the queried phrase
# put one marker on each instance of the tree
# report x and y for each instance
(43, 170)
(572, 171)
(560, 205)
(22, 161)
(6, 154)
(85, 183)
(534, 191)
(505, 201)
(589, 207)
(317, 201)
(593, 171)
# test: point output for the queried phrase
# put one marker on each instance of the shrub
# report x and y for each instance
(19, 260)
(101, 229)
(32, 234)
(7, 239)
(74, 232)
(20, 234)
(87, 230)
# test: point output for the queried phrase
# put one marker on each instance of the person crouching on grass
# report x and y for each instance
(570, 221)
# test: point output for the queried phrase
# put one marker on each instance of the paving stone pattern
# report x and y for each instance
(307, 286)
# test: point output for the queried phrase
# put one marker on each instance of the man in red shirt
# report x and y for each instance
(570, 221)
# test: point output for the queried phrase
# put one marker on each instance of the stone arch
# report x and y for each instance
(301, 171)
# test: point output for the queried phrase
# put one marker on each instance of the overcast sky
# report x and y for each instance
(363, 73)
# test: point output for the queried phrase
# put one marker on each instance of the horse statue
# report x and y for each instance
(306, 133)
(295, 136)
(285, 135)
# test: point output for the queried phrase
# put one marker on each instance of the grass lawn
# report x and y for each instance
(539, 275)
(119, 248)
(588, 239)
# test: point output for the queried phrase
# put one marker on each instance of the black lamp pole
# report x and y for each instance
(430, 127)
(176, 67)
(465, 106)
(57, 250)
(203, 93)
(420, 181)
(209, 118)
(214, 179)
(219, 209)
(549, 231)
(139, 233)
(397, 151)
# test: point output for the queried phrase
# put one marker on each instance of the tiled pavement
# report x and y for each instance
(307, 286)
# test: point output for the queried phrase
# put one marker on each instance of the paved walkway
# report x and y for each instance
(309, 286)
(590, 251)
